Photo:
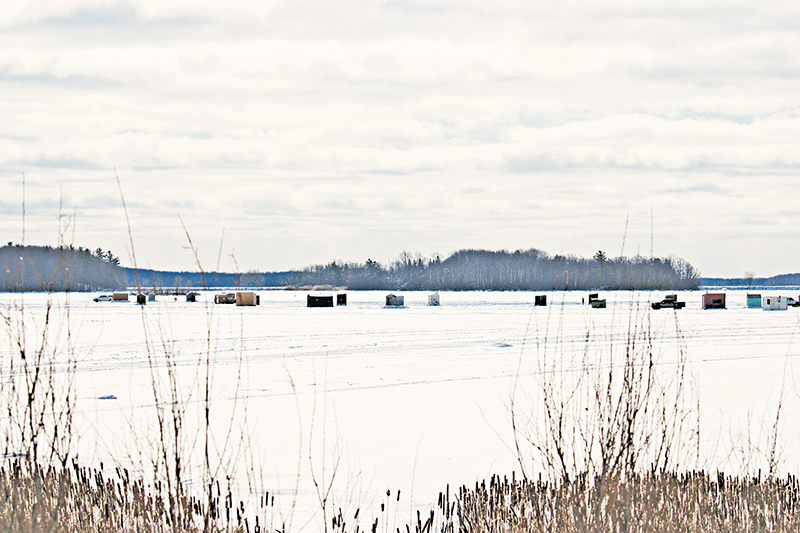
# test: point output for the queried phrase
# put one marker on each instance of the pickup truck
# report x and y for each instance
(669, 302)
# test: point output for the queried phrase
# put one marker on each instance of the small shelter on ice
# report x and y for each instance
(120, 297)
(151, 297)
(141, 299)
(393, 300)
(341, 299)
(753, 301)
(247, 299)
(225, 298)
(596, 302)
(714, 300)
(319, 301)
(774, 303)
(433, 299)
(540, 300)
(191, 296)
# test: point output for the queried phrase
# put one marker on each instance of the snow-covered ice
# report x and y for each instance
(411, 399)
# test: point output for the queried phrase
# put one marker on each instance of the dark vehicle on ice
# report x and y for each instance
(670, 301)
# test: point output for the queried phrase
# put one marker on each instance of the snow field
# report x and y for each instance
(411, 399)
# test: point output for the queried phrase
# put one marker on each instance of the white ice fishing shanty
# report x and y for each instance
(774, 303)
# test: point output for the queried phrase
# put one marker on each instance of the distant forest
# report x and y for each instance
(37, 268)
(464, 270)
(148, 279)
(62, 268)
(781, 280)
(502, 270)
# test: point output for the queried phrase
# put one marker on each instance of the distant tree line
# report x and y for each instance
(753, 281)
(502, 270)
(166, 279)
(60, 268)
(67, 268)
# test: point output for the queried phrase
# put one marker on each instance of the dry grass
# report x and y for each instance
(42, 486)
(664, 502)
(75, 499)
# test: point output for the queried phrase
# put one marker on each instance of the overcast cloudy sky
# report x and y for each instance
(312, 130)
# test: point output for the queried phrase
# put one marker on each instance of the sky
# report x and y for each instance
(274, 135)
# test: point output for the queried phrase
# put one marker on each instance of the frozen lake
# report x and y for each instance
(408, 399)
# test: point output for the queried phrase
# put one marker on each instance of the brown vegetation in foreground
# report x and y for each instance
(75, 499)
(690, 502)
(71, 498)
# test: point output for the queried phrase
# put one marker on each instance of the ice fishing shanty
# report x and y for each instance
(714, 300)
(394, 300)
(596, 302)
(540, 300)
(119, 297)
(247, 299)
(433, 299)
(341, 299)
(753, 301)
(225, 298)
(774, 303)
(313, 300)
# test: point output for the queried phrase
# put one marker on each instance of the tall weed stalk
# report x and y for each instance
(37, 395)
(606, 407)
